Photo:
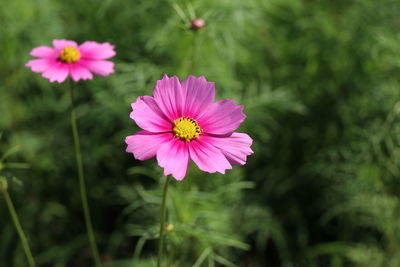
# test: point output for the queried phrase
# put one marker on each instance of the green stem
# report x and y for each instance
(18, 227)
(162, 221)
(82, 186)
(194, 52)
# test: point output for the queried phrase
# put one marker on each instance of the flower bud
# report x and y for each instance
(198, 24)
(169, 227)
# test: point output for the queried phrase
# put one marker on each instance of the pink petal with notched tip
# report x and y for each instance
(78, 72)
(98, 67)
(236, 147)
(61, 44)
(40, 65)
(44, 52)
(222, 117)
(95, 51)
(173, 156)
(144, 145)
(198, 94)
(207, 157)
(58, 72)
(148, 116)
(169, 97)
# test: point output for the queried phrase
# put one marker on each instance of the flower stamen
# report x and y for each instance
(69, 54)
(186, 128)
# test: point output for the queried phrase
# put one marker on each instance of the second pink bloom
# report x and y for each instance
(66, 58)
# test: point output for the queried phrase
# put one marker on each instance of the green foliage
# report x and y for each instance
(320, 83)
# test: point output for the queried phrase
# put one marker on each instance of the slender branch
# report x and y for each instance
(194, 51)
(18, 227)
(162, 221)
(82, 186)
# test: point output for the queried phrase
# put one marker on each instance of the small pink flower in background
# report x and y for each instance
(66, 58)
(182, 122)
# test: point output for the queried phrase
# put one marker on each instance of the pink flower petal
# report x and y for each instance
(99, 67)
(57, 72)
(93, 50)
(222, 117)
(169, 97)
(60, 44)
(207, 157)
(40, 65)
(44, 52)
(148, 116)
(198, 95)
(78, 72)
(144, 145)
(173, 156)
(236, 147)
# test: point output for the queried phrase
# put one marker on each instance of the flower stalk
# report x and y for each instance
(82, 186)
(162, 222)
(17, 224)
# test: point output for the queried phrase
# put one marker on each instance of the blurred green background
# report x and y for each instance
(321, 85)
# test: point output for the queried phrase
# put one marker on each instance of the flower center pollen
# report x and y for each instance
(69, 54)
(186, 128)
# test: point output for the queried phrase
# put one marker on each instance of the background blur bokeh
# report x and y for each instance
(321, 85)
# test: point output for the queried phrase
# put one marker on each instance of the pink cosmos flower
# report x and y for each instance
(67, 58)
(182, 122)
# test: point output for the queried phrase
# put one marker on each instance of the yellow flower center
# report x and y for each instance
(186, 128)
(69, 54)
